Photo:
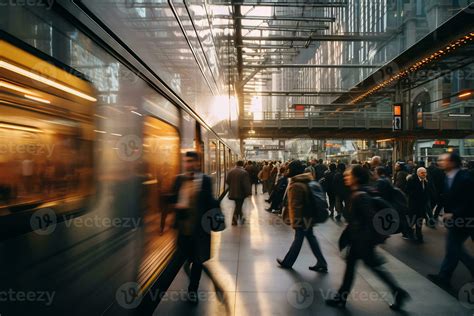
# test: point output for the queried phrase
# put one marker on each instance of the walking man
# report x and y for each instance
(239, 188)
(458, 201)
(192, 198)
(301, 221)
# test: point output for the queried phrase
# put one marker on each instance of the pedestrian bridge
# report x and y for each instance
(350, 124)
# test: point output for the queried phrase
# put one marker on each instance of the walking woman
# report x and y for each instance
(362, 238)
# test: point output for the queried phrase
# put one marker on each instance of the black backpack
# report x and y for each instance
(317, 206)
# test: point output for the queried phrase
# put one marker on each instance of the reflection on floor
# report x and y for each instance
(247, 280)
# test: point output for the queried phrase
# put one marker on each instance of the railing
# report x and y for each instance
(345, 119)
(326, 119)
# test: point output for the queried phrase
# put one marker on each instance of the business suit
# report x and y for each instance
(239, 188)
(194, 242)
(419, 194)
(458, 200)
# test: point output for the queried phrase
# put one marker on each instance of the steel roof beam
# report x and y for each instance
(311, 66)
(330, 37)
(283, 4)
(295, 93)
(278, 18)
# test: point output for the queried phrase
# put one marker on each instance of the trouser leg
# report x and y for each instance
(454, 252)
(237, 210)
(348, 278)
(295, 248)
(451, 258)
(332, 202)
(313, 243)
(419, 226)
(196, 271)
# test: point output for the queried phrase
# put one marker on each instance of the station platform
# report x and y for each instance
(243, 278)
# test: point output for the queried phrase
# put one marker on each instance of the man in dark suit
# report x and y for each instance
(420, 192)
(192, 198)
(458, 201)
(239, 188)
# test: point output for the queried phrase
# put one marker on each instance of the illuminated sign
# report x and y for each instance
(397, 117)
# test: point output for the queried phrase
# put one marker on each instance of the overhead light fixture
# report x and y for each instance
(44, 80)
(384, 140)
(37, 99)
(459, 115)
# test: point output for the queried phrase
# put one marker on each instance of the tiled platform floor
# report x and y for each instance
(244, 279)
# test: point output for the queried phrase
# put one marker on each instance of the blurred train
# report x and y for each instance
(84, 226)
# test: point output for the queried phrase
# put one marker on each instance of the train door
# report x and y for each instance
(222, 168)
(213, 166)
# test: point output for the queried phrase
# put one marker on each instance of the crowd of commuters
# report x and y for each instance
(353, 194)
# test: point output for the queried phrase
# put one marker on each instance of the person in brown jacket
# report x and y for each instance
(239, 188)
(265, 175)
(301, 221)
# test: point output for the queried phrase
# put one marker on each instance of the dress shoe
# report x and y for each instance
(319, 268)
(282, 265)
(439, 280)
(401, 297)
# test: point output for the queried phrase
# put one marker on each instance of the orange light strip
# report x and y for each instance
(417, 65)
(20, 128)
(49, 82)
(16, 88)
(37, 99)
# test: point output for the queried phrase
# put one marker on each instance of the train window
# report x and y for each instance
(46, 139)
(159, 167)
(44, 161)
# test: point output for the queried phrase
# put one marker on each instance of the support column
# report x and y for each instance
(403, 149)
